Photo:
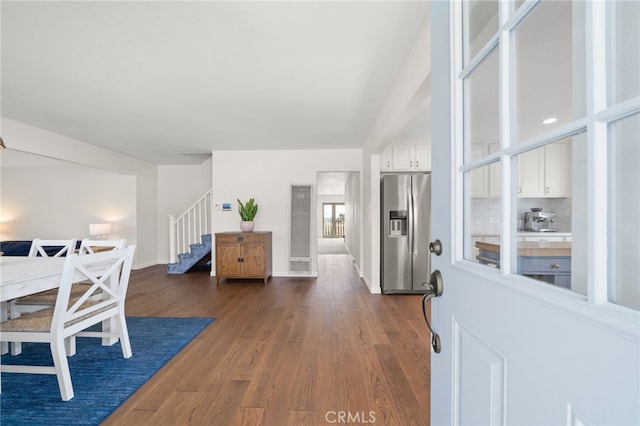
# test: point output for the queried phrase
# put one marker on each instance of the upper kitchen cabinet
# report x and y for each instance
(557, 170)
(385, 159)
(485, 181)
(545, 172)
(406, 158)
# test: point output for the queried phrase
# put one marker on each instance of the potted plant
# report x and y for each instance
(247, 212)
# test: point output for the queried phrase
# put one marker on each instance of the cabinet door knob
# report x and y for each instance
(555, 266)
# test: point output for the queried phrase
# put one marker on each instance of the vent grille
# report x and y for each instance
(300, 238)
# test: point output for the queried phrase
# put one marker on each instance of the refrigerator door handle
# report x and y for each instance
(412, 219)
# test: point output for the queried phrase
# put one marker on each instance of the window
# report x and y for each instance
(624, 155)
(549, 118)
(333, 220)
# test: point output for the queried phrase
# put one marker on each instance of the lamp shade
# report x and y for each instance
(99, 228)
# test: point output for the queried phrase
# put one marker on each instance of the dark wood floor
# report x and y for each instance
(291, 352)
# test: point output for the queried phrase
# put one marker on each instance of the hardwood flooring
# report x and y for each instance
(296, 351)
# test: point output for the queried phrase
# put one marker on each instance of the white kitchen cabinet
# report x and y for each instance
(485, 181)
(478, 178)
(423, 157)
(406, 158)
(557, 167)
(403, 157)
(385, 159)
(494, 173)
(545, 172)
(531, 174)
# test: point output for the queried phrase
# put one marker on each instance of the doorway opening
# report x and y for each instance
(337, 206)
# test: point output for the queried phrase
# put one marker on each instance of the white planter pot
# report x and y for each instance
(246, 226)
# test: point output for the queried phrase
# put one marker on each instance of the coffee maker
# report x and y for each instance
(538, 220)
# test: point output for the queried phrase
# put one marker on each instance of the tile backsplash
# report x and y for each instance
(489, 221)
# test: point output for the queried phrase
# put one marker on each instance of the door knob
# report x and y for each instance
(435, 288)
(435, 247)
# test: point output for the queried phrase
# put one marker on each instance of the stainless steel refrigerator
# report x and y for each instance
(405, 232)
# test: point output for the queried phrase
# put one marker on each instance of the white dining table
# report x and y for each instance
(22, 275)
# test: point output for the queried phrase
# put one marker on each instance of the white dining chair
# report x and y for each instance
(46, 299)
(39, 247)
(88, 246)
(109, 273)
(64, 247)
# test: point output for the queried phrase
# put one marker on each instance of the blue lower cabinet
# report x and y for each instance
(553, 270)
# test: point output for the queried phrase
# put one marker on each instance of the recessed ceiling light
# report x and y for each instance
(549, 120)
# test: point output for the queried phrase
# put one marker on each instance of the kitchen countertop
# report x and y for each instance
(533, 248)
(524, 234)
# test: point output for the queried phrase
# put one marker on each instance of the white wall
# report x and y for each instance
(267, 176)
(53, 199)
(135, 176)
(353, 218)
(179, 186)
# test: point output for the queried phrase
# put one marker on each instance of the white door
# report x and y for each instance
(551, 335)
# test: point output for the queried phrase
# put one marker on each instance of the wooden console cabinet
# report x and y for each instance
(243, 255)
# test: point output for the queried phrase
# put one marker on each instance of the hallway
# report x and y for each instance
(331, 246)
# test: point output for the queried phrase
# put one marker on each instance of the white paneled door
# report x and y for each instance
(518, 349)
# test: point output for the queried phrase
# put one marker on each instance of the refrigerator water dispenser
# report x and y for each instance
(397, 223)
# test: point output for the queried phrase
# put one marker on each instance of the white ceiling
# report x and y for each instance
(332, 183)
(171, 81)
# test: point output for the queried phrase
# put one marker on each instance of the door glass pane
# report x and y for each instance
(624, 45)
(549, 68)
(480, 24)
(550, 214)
(624, 287)
(482, 227)
(482, 119)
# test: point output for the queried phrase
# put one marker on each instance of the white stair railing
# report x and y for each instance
(188, 228)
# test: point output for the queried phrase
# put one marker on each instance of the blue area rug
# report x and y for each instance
(102, 379)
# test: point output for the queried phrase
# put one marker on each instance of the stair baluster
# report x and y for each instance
(190, 235)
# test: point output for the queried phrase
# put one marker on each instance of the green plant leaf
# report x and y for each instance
(247, 210)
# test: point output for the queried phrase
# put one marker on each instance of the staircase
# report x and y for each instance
(198, 254)
(190, 236)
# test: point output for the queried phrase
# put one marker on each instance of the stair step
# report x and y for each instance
(197, 252)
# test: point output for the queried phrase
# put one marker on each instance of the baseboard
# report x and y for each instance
(288, 275)
(372, 289)
(145, 265)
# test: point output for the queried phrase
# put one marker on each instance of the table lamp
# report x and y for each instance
(100, 230)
